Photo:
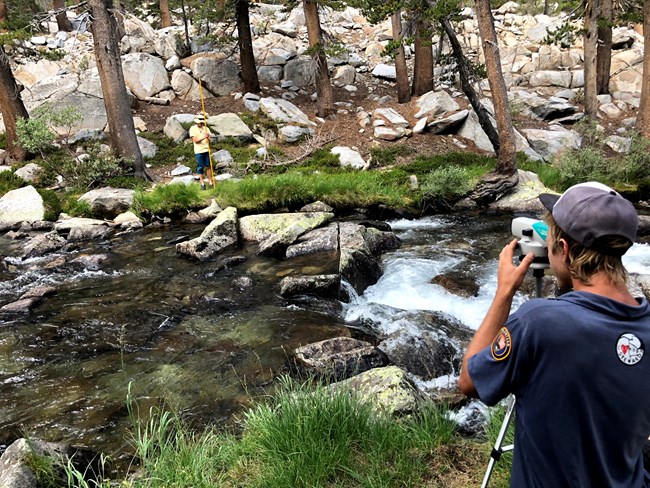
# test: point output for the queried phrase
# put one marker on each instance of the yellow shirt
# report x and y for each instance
(200, 147)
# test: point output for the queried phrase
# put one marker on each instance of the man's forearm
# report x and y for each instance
(494, 319)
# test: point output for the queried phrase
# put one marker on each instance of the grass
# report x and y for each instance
(306, 436)
(169, 199)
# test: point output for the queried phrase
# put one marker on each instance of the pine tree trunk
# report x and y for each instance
(3, 14)
(165, 17)
(62, 20)
(643, 118)
(246, 55)
(592, 12)
(403, 88)
(324, 92)
(121, 130)
(506, 155)
(11, 107)
(604, 50)
(423, 64)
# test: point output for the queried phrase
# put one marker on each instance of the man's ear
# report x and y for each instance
(564, 246)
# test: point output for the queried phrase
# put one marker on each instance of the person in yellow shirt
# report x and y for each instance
(200, 135)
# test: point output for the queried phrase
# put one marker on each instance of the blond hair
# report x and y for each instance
(585, 262)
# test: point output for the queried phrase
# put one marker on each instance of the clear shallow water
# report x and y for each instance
(182, 333)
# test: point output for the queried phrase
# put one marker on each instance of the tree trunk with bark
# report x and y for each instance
(506, 155)
(165, 17)
(604, 50)
(403, 88)
(465, 74)
(592, 12)
(62, 21)
(643, 118)
(3, 14)
(121, 130)
(324, 92)
(423, 64)
(11, 107)
(246, 55)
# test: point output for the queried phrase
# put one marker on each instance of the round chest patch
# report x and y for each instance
(502, 345)
(629, 349)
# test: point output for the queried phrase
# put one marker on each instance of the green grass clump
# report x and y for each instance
(386, 155)
(306, 436)
(72, 206)
(475, 163)
(9, 181)
(295, 189)
(169, 199)
(52, 204)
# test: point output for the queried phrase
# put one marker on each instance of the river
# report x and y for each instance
(203, 339)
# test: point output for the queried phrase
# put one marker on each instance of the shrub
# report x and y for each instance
(636, 163)
(447, 184)
(580, 165)
(72, 206)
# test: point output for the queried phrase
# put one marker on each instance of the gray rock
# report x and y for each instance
(317, 207)
(39, 292)
(21, 205)
(320, 240)
(88, 233)
(432, 104)
(338, 358)
(24, 305)
(301, 71)
(349, 157)
(324, 286)
(384, 71)
(293, 133)
(180, 170)
(220, 76)
(43, 244)
(30, 172)
(284, 112)
(109, 202)
(548, 143)
(219, 235)
(230, 125)
(277, 242)
(145, 75)
(147, 148)
(448, 123)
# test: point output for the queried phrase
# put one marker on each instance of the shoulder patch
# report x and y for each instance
(502, 345)
(629, 349)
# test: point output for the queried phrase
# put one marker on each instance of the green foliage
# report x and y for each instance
(37, 134)
(34, 135)
(495, 421)
(564, 36)
(476, 163)
(636, 162)
(45, 468)
(169, 199)
(581, 165)
(9, 181)
(72, 206)
(386, 155)
(94, 170)
(130, 182)
(447, 184)
(52, 204)
(53, 54)
(295, 189)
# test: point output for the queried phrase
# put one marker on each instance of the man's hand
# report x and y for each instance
(509, 276)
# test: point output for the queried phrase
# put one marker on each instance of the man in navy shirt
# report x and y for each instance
(576, 364)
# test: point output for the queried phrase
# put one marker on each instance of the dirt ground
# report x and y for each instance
(341, 129)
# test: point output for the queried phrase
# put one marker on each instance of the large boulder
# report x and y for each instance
(325, 286)
(109, 202)
(220, 76)
(301, 71)
(284, 112)
(433, 104)
(260, 227)
(145, 75)
(324, 239)
(277, 242)
(548, 143)
(43, 244)
(21, 205)
(220, 234)
(230, 125)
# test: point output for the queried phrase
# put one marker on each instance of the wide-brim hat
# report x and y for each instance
(590, 211)
(199, 119)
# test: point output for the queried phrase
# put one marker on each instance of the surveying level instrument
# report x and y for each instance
(531, 235)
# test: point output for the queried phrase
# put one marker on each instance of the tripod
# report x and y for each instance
(498, 449)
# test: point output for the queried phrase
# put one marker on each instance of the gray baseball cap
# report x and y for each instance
(589, 211)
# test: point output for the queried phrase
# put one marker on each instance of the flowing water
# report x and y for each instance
(197, 336)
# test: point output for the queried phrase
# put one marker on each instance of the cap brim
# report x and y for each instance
(549, 200)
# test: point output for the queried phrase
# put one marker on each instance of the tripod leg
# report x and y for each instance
(497, 450)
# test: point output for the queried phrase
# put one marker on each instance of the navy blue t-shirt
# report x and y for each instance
(580, 373)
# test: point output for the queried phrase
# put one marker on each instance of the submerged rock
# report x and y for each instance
(325, 286)
(220, 234)
(43, 244)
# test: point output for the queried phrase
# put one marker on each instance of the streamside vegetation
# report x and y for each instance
(306, 436)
